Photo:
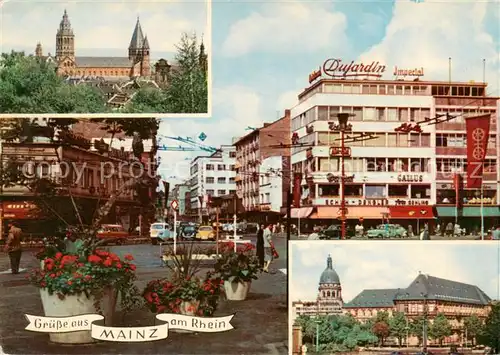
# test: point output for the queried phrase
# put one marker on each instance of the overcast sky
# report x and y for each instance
(102, 28)
(385, 264)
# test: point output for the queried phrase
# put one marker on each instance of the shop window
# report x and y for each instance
(420, 191)
(353, 190)
(375, 191)
(329, 190)
(398, 190)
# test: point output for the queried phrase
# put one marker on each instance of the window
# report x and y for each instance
(357, 112)
(398, 190)
(381, 164)
(221, 167)
(414, 140)
(232, 167)
(403, 114)
(381, 114)
(397, 164)
(370, 114)
(375, 191)
(232, 192)
(353, 190)
(392, 114)
(371, 165)
(231, 180)
(268, 197)
(399, 90)
(210, 192)
(407, 90)
(209, 180)
(209, 167)
(329, 190)
(377, 141)
(221, 192)
(353, 164)
(329, 164)
(382, 90)
(232, 154)
(221, 180)
(356, 89)
(420, 191)
(334, 110)
(425, 140)
(323, 113)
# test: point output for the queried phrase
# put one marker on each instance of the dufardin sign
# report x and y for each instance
(86, 322)
(338, 69)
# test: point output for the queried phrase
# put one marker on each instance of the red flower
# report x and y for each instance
(69, 282)
(52, 275)
(118, 265)
(94, 259)
(148, 297)
(160, 308)
(132, 267)
(58, 255)
(108, 262)
(129, 257)
(88, 277)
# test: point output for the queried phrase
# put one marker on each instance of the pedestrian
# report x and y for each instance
(13, 247)
(410, 231)
(268, 251)
(449, 229)
(260, 246)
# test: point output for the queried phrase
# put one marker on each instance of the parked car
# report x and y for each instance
(205, 233)
(114, 233)
(332, 232)
(187, 232)
(387, 231)
(156, 229)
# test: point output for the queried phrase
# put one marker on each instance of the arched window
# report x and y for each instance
(328, 293)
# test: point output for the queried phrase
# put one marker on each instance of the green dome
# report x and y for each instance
(329, 276)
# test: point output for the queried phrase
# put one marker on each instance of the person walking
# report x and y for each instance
(268, 251)
(426, 233)
(13, 247)
(259, 249)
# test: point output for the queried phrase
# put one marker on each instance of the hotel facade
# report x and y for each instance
(406, 177)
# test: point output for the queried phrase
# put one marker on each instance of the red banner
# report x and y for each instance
(478, 130)
(297, 189)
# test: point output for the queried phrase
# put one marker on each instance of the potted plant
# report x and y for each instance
(237, 269)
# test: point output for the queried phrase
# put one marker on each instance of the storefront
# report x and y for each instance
(469, 217)
(416, 216)
(26, 214)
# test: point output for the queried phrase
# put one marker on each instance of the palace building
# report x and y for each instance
(391, 173)
(329, 300)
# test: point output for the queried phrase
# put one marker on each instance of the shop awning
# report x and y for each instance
(469, 211)
(354, 212)
(411, 212)
(303, 212)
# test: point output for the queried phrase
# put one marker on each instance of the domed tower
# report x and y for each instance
(38, 50)
(65, 40)
(329, 291)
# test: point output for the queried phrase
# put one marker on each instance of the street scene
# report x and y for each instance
(441, 299)
(119, 63)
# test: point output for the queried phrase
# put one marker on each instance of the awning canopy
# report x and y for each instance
(468, 211)
(354, 212)
(303, 212)
(411, 212)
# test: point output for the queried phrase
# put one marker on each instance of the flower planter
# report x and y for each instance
(237, 291)
(189, 308)
(76, 305)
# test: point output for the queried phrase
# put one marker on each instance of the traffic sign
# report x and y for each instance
(174, 204)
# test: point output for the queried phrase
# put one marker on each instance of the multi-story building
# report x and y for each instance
(212, 175)
(329, 300)
(390, 174)
(271, 187)
(273, 139)
(425, 296)
(179, 194)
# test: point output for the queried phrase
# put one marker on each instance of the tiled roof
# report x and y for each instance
(103, 62)
(443, 290)
(374, 299)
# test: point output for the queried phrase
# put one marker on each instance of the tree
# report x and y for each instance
(398, 326)
(382, 331)
(473, 326)
(440, 328)
(417, 327)
(382, 317)
(490, 335)
(188, 89)
(29, 85)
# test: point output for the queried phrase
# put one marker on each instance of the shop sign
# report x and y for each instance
(314, 75)
(335, 68)
(374, 202)
(410, 178)
(477, 201)
(415, 72)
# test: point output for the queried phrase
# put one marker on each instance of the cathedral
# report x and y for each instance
(329, 300)
(137, 64)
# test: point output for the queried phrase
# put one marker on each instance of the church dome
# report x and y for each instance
(329, 276)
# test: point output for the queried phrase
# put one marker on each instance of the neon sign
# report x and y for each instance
(409, 72)
(335, 68)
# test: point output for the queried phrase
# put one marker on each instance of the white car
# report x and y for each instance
(158, 230)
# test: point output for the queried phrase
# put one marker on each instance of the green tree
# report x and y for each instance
(417, 327)
(187, 91)
(381, 331)
(440, 328)
(474, 326)
(398, 326)
(29, 85)
(149, 100)
(382, 317)
(490, 335)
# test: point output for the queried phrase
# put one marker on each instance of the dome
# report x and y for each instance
(329, 276)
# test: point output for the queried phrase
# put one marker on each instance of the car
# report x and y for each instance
(332, 232)
(156, 229)
(113, 233)
(187, 232)
(205, 233)
(387, 231)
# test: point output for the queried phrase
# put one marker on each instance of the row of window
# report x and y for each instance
(219, 192)
(377, 191)
(375, 89)
(220, 180)
(221, 167)
(265, 198)
(460, 165)
(459, 140)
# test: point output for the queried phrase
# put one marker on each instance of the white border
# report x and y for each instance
(208, 45)
(291, 244)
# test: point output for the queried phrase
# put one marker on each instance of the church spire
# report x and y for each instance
(203, 58)
(137, 40)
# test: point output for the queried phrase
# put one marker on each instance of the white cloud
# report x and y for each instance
(287, 100)
(100, 25)
(373, 265)
(285, 28)
(418, 35)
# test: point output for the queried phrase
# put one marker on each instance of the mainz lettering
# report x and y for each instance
(128, 334)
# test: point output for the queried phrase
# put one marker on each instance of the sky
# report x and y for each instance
(376, 265)
(263, 52)
(101, 28)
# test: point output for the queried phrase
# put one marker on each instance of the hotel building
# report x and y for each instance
(406, 177)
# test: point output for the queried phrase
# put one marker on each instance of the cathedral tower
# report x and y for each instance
(203, 58)
(329, 290)
(65, 40)
(138, 50)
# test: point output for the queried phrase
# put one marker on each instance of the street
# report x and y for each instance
(260, 321)
(434, 237)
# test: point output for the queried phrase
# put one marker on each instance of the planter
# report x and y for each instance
(76, 305)
(237, 291)
(189, 308)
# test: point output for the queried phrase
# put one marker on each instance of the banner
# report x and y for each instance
(85, 322)
(297, 189)
(478, 131)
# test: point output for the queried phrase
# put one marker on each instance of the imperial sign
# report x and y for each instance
(128, 334)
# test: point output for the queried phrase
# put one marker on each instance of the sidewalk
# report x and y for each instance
(260, 322)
